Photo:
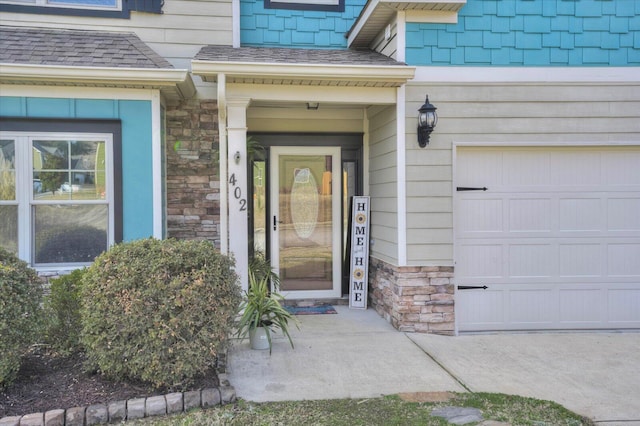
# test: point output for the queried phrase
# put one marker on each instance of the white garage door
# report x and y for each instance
(555, 238)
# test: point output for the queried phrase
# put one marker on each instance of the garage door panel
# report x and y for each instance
(480, 216)
(624, 260)
(486, 308)
(580, 260)
(621, 168)
(623, 214)
(624, 306)
(556, 240)
(571, 168)
(580, 306)
(580, 214)
(526, 168)
(483, 261)
(485, 166)
(531, 307)
(530, 215)
(531, 260)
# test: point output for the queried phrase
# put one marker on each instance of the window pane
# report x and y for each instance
(7, 170)
(9, 228)
(69, 170)
(68, 233)
(95, 3)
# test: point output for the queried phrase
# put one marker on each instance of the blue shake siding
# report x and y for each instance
(135, 116)
(296, 28)
(531, 33)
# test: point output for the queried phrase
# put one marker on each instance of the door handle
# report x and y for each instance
(275, 221)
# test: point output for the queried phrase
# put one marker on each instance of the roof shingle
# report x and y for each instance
(45, 46)
(294, 56)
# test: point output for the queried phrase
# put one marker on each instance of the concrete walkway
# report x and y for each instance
(356, 354)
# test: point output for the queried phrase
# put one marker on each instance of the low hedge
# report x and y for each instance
(62, 311)
(158, 310)
(20, 298)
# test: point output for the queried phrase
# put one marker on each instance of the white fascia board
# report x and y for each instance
(461, 75)
(318, 72)
(432, 16)
(38, 91)
(179, 79)
(322, 94)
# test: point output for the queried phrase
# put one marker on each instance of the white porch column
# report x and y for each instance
(237, 186)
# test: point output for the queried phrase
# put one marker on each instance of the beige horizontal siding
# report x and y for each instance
(383, 187)
(177, 34)
(387, 47)
(499, 114)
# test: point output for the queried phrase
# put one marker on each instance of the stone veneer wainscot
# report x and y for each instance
(413, 298)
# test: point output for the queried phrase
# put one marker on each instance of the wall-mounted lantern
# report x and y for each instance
(427, 120)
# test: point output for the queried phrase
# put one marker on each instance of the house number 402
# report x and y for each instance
(237, 192)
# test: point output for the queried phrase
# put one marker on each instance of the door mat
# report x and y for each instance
(311, 310)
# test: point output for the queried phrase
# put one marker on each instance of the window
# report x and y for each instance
(320, 5)
(94, 8)
(57, 200)
(85, 4)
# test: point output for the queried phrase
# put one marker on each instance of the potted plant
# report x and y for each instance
(262, 313)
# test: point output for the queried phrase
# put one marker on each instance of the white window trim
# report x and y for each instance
(24, 188)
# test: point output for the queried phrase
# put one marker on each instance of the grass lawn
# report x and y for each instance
(389, 410)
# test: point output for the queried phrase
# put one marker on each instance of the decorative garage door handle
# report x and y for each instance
(472, 287)
(468, 188)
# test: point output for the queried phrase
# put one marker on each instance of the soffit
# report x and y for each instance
(378, 13)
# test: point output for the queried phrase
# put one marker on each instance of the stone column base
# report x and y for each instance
(413, 298)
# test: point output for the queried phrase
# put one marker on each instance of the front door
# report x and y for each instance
(306, 221)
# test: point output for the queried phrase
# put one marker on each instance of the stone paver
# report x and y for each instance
(156, 406)
(458, 415)
(96, 414)
(117, 411)
(174, 402)
(210, 398)
(10, 421)
(54, 418)
(191, 400)
(135, 408)
(75, 416)
(33, 419)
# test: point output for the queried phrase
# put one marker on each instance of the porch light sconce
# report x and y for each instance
(427, 120)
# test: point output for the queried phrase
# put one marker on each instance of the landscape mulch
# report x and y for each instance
(47, 381)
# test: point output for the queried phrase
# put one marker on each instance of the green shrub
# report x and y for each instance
(20, 298)
(158, 311)
(62, 308)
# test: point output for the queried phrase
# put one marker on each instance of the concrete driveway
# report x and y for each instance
(356, 354)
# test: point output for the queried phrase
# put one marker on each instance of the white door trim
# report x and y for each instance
(336, 183)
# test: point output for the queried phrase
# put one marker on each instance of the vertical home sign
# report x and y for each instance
(358, 279)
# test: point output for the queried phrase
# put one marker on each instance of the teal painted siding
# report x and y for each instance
(531, 33)
(296, 28)
(137, 203)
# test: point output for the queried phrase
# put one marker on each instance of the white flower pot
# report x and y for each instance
(258, 338)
